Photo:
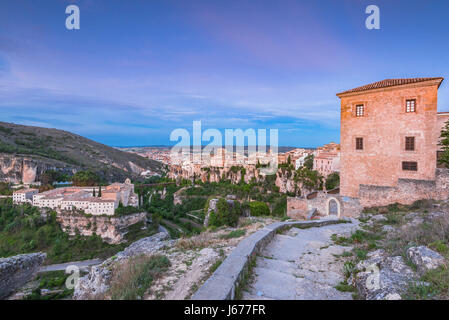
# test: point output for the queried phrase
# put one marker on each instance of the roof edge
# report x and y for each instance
(355, 91)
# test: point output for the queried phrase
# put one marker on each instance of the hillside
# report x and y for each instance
(26, 152)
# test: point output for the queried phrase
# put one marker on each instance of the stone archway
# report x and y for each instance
(333, 207)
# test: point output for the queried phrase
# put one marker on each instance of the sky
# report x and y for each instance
(138, 69)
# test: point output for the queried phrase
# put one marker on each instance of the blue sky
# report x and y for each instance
(136, 70)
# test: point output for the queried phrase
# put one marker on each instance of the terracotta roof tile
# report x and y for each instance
(389, 83)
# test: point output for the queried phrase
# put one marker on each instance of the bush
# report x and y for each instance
(333, 181)
(226, 214)
(123, 211)
(258, 208)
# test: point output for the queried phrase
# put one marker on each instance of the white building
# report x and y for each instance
(81, 198)
(300, 161)
(24, 196)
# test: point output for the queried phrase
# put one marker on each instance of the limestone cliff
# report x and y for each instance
(16, 169)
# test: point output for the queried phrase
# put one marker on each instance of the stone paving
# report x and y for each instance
(301, 265)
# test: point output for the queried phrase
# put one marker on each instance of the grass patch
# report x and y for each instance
(234, 234)
(344, 287)
(54, 281)
(437, 288)
(215, 266)
(132, 279)
(360, 253)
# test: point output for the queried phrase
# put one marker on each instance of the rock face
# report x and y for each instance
(97, 281)
(285, 183)
(212, 207)
(16, 169)
(380, 277)
(18, 270)
(424, 258)
(110, 229)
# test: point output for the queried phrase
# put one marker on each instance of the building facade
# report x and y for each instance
(81, 198)
(389, 131)
(24, 196)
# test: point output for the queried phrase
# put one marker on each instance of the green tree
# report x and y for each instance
(308, 162)
(310, 179)
(333, 181)
(258, 208)
(444, 143)
(85, 178)
(225, 214)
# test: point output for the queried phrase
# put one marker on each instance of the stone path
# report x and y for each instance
(300, 265)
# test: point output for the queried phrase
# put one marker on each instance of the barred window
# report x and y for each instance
(410, 143)
(359, 143)
(360, 110)
(409, 166)
(410, 106)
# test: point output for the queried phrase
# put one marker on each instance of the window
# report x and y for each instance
(409, 166)
(359, 143)
(409, 143)
(410, 105)
(359, 110)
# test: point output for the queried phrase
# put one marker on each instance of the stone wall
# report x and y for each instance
(407, 191)
(111, 229)
(297, 207)
(17, 270)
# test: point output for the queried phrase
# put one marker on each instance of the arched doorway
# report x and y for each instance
(333, 207)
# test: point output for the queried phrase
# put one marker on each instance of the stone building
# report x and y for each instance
(388, 132)
(389, 143)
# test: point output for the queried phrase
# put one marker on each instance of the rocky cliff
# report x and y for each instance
(18, 270)
(16, 169)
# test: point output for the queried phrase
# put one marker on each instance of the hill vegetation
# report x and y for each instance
(65, 150)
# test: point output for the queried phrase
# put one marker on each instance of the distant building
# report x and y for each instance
(24, 196)
(81, 198)
(326, 163)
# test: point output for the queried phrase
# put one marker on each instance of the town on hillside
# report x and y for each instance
(224, 154)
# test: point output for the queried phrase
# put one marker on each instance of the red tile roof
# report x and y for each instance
(389, 83)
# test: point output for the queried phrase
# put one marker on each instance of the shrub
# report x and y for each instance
(226, 213)
(258, 208)
(333, 181)
(234, 234)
